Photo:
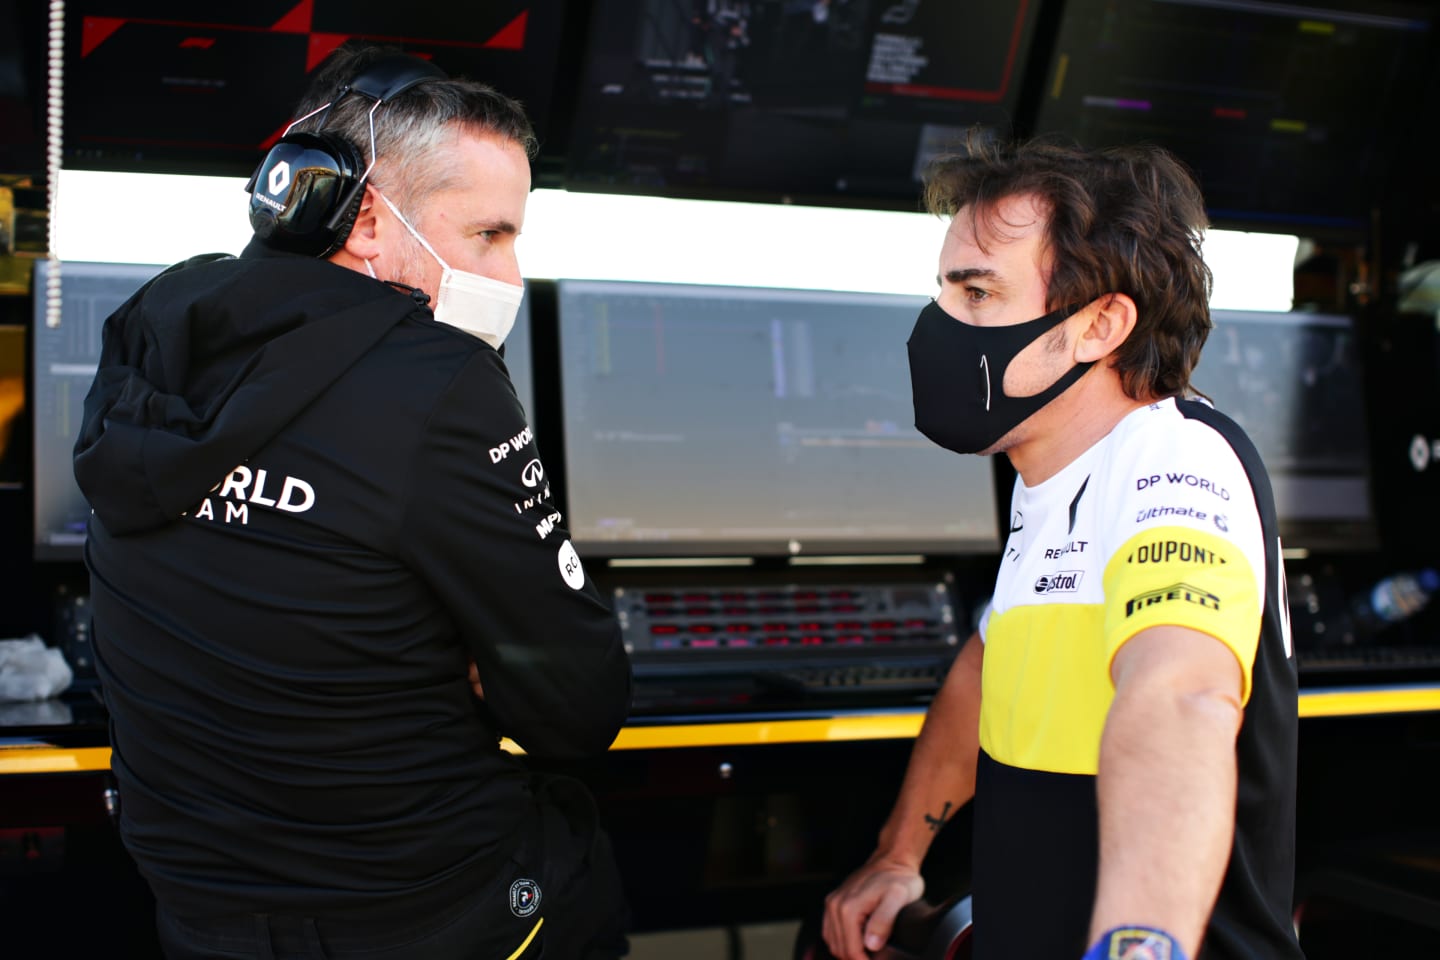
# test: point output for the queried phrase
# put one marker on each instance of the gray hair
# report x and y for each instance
(408, 129)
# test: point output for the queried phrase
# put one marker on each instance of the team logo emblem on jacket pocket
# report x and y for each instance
(524, 897)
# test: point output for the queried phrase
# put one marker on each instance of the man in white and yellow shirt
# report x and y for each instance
(1125, 718)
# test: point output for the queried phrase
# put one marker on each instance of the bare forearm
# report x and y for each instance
(860, 913)
(1167, 810)
(940, 778)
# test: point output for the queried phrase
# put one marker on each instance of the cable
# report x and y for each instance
(54, 124)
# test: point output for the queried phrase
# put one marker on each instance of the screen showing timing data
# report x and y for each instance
(706, 419)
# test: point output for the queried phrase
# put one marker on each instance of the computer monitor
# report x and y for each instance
(518, 358)
(707, 420)
(65, 358)
(1289, 113)
(816, 102)
(22, 89)
(1294, 382)
(157, 86)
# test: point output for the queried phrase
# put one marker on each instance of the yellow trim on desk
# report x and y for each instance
(1341, 702)
(899, 725)
(879, 726)
(745, 733)
(43, 758)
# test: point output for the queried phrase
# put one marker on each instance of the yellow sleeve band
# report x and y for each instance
(1179, 576)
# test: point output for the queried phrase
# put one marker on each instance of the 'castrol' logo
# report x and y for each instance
(1065, 581)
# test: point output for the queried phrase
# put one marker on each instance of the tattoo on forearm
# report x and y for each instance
(935, 823)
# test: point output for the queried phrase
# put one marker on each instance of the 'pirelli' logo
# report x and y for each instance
(1181, 591)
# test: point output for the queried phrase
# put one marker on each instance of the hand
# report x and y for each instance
(860, 914)
(474, 678)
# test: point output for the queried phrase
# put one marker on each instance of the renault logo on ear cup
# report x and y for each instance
(306, 193)
(279, 178)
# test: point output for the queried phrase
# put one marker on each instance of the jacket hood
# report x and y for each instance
(205, 364)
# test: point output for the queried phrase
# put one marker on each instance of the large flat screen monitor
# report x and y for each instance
(1287, 112)
(22, 89)
(519, 360)
(825, 101)
(703, 420)
(65, 359)
(1293, 382)
(166, 86)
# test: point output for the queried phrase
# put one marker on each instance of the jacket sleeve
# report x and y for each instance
(482, 529)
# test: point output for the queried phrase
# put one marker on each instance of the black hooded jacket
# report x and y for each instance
(314, 506)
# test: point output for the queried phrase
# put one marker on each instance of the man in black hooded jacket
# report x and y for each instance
(327, 573)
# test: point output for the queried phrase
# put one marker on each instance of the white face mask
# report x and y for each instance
(478, 305)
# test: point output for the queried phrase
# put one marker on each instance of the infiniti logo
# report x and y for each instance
(532, 474)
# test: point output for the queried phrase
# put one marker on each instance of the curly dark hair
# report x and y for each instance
(1120, 220)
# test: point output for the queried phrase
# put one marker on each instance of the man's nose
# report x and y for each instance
(509, 268)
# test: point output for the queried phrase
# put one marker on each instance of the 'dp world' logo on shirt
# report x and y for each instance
(1179, 593)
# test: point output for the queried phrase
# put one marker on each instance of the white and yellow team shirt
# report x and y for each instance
(1168, 520)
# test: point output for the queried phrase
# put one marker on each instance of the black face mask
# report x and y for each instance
(957, 371)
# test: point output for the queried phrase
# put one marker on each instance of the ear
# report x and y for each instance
(1111, 319)
(363, 243)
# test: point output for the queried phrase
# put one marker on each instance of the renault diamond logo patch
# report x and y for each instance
(279, 178)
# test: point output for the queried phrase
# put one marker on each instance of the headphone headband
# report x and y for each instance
(305, 194)
(386, 79)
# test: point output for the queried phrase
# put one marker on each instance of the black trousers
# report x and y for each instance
(560, 898)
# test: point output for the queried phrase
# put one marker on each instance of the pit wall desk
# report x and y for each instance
(720, 819)
(36, 756)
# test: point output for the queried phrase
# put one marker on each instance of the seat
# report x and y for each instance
(923, 931)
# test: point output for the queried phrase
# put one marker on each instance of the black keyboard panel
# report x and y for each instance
(1364, 658)
(880, 677)
(753, 629)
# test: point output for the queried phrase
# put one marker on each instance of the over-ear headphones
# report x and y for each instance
(306, 193)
